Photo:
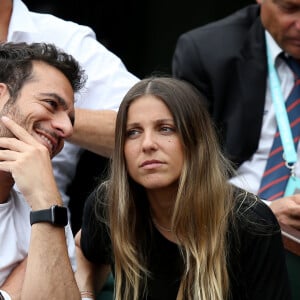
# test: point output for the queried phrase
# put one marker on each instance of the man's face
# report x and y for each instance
(44, 107)
(282, 19)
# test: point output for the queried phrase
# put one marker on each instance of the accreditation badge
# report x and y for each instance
(293, 186)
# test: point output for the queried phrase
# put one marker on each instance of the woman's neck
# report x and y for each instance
(161, 204)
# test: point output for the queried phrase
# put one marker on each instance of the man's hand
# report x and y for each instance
(29, 163)
(287, 210)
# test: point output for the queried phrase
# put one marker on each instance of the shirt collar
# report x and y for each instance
(20, 20)
(275, 50)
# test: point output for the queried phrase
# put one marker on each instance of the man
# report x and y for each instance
(227, 61)
(107, 81)
(37, 85)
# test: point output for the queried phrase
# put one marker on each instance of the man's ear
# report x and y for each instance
(3, 89)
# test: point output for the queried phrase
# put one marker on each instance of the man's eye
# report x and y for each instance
(52, 103)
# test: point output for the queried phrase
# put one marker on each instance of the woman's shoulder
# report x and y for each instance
(95, 235)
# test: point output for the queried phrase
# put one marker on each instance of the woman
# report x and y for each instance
(167, 220)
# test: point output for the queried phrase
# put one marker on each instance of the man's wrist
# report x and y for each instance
(55, 215)
(4, 295)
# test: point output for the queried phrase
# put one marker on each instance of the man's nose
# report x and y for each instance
(63, 125)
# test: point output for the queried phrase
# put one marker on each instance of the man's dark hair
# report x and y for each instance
(16, 64)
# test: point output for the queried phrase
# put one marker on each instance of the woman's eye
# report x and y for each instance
(167, 129)
(132, 132)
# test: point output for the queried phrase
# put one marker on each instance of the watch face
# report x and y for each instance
(60, 215)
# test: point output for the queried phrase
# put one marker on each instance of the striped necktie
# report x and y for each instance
(276, 173)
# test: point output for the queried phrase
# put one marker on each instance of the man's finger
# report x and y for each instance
(18, 131)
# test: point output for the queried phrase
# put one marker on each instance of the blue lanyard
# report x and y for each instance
(290, 154)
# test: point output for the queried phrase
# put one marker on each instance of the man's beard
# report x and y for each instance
(12, 111)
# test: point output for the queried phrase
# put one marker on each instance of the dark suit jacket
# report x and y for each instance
(226, 60)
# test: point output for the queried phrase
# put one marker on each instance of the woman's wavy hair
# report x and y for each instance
(203, 205)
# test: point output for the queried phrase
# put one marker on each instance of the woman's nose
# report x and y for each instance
(149, 141)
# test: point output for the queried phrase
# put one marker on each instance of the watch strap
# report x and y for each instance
(56, 215)
(43, 215)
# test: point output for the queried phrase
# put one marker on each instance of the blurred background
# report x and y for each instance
(142, 33)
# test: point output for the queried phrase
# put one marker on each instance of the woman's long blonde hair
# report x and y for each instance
(202, 209)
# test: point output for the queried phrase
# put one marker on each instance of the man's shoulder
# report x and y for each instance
(221, 42)
(234, 25)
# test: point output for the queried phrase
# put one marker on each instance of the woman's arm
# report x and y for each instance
(90, 278)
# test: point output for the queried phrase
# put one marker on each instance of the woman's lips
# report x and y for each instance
(151, 164)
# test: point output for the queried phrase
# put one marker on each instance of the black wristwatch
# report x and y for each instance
(56, 215)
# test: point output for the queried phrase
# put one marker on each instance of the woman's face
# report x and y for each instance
(153, 150)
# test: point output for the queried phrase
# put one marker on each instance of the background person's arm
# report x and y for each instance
(94, 130)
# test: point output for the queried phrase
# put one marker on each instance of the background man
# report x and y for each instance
(228, 62)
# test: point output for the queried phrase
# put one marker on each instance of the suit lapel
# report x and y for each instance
(251, 68)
